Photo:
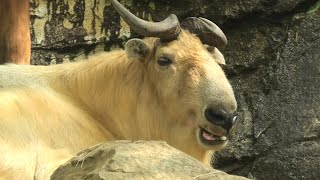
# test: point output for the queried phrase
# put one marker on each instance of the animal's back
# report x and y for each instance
(12, 75)
(40, 128)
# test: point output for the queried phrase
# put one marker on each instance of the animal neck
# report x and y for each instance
(108, 87)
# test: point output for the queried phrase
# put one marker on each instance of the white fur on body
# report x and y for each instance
(48, 114)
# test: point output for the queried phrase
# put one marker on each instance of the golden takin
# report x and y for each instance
(168, 86)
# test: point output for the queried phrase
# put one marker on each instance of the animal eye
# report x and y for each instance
(162, 61)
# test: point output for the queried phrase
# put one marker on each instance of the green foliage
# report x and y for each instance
(314, 8)
(310, 12)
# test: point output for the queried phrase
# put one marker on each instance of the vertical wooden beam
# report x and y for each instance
(15, 40)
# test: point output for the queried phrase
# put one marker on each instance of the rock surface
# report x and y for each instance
(277, 85)
(272, 62)
(136, 160)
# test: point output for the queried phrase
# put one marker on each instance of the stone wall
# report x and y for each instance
(276, 77)
(273, 65)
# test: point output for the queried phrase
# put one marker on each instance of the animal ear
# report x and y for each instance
(137, 49)
(217, 55)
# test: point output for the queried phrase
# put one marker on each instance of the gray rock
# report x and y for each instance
(278, 92)
(136, 160)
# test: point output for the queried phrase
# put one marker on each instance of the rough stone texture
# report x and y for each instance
(273, 65)
(66, 30)
(136, 160)
(278, 90)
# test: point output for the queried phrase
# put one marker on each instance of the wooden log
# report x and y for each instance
(15, 40)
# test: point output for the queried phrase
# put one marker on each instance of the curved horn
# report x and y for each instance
(208, 32)
(167, 29)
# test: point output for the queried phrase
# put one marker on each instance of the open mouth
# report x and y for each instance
(209, 138)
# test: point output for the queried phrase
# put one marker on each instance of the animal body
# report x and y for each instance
(168, 86)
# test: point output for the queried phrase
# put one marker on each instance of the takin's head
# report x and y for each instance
(184, 67)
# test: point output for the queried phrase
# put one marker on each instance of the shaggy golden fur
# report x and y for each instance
(48, 114)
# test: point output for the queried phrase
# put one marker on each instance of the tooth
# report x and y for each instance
(223, 138)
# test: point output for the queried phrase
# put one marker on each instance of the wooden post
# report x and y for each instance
(15, 40)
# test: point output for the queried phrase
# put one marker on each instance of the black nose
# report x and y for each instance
(221, 118)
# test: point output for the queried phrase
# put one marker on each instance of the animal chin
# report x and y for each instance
(210, 139)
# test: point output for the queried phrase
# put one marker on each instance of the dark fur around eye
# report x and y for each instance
(162, 61)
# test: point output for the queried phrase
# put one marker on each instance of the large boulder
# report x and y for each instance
(136, 160)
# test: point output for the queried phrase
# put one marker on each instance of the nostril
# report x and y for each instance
(216, 117)
(234, 118)
(231, 121)
(221, 118)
